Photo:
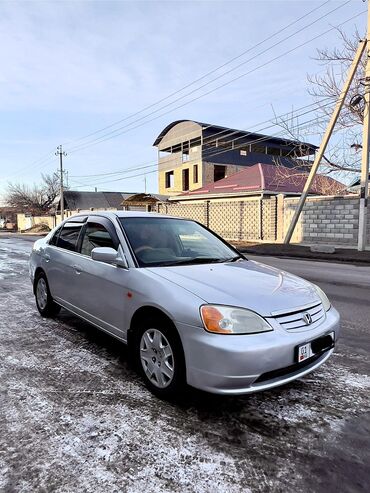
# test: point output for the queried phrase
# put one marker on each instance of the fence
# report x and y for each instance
(26, 221)
(330, 220)
(240, 220)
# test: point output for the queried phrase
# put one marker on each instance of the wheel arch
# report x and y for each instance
(38, 271)
(149, 312)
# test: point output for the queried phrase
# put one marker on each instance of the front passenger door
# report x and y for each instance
(102, 287)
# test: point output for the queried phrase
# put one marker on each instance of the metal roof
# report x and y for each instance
(266, 178)
(357, 181)
(74, 200)
(236, 132)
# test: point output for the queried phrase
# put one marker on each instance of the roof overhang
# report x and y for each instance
(235, 132)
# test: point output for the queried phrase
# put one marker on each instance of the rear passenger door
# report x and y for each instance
(101, 287)
(59, 259)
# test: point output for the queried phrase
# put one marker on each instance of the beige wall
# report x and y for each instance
(25, 222)
(181, 133)
(177, 188)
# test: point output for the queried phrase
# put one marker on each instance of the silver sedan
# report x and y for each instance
(191, 308)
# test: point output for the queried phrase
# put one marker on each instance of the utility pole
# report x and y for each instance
(364, 188)
(145, 184)
(327, 135)
(67, 177)
(61, 153)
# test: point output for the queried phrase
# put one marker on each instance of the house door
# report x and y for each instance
(185, 179)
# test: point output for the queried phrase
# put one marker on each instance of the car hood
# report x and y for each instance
(245, 283)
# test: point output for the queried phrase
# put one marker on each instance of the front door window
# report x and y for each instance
(96, 235)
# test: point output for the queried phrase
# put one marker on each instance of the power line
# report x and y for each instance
(264, 138)
(268, 38)
(117, 132)
(230, 133)
(102, 138)
(42, 161)
(210, 155)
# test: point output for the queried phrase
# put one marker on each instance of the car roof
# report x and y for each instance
(120, 214)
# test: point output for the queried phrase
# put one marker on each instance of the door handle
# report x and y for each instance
(77, 269)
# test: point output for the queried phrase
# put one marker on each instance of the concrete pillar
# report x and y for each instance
(280, 218)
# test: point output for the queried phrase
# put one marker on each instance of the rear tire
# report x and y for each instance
(44, 301)
(159, 358)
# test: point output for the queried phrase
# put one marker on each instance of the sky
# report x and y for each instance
(71, 68)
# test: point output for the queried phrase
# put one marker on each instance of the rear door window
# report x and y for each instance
(96, 235)
(54, 238)
(68, 237)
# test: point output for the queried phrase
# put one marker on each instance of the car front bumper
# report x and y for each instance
(242, 364)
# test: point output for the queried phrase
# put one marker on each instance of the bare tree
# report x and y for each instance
(297, 176)
(343, 154)
(37, 199)
(328, 86)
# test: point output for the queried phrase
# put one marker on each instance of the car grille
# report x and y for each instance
(289, 370)
(295, 320)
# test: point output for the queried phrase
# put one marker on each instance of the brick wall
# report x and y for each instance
(208, 171)
(331, 220)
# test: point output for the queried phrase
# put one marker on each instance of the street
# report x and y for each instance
(74, 417)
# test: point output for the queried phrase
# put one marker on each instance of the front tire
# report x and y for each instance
(160, 358)
(44, 301)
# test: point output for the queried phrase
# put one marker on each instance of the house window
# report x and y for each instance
(195, 143)
(259, 149)
(164, 153)
(225, 144)
(185, 151)
(273, 151)
(185, 179)
(195, 173)
(169, 179)
(219, 172)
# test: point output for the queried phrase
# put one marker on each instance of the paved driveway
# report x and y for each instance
(75, 418)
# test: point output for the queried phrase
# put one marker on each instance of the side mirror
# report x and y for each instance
(109, 256)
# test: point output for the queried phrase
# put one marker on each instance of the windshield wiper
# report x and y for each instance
(198, 260)
(234, 259)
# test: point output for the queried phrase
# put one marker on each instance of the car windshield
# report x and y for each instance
(159, 241)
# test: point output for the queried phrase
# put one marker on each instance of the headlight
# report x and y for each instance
(324, 299)
(229, 320)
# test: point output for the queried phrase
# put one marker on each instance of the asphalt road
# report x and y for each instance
(75, 418)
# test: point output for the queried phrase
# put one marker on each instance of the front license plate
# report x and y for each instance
(309, 349)
(304, 352)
